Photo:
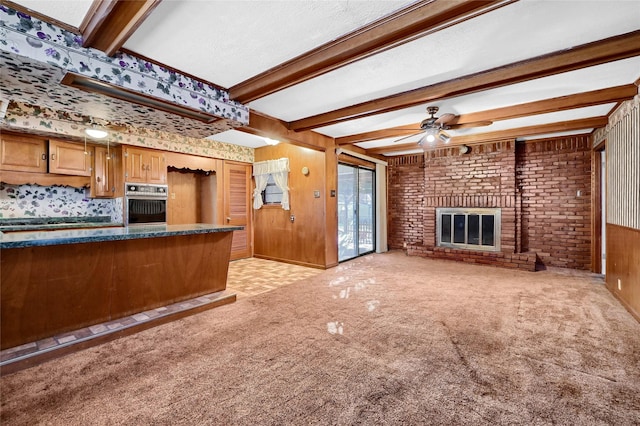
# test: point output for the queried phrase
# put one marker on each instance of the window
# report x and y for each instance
(271, 194)
(272, 183)
(468, 228)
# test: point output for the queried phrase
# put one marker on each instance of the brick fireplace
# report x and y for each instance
(541, 188)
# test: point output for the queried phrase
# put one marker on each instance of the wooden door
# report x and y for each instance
(67, 158)
(237, 207)
(24, 154)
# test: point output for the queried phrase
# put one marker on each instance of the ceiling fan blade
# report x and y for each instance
(468, 125)
(445, 118)
(406, 137)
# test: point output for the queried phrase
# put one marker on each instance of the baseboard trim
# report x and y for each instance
(31, 360)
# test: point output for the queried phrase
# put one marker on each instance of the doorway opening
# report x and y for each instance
(599, 211)
(356, 211)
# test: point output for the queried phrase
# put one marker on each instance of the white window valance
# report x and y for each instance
(279, 169)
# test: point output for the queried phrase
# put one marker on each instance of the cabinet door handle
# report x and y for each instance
(228, 219)
(98, 179)
(44, 156)
(53, 157)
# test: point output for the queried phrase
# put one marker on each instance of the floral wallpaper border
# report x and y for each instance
(31, 82)
(34, 119)
(44, 42)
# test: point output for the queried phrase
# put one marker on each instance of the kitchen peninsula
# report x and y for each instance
(62, 280)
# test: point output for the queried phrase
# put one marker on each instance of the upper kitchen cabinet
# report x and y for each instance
(67, 158)
(145, 165)
(23, 153)
(107, 172)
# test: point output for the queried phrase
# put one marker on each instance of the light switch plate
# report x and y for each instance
(316, 194)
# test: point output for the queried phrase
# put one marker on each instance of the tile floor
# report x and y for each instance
(246, 278)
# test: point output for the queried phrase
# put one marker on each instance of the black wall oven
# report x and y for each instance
(145, 203)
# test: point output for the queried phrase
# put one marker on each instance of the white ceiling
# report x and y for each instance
(228, 42)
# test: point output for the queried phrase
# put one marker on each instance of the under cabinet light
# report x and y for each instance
(96, 133)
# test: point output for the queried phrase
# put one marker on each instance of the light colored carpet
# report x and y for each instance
(384, 339)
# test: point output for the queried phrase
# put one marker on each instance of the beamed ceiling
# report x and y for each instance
(363, 73)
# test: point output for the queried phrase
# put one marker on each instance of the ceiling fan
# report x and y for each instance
(434, 127)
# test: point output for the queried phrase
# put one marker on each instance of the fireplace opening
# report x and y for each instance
(468, 228)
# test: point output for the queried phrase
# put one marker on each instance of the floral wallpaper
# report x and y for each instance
(31, 119)
(30, 82)
(20, 201)
(46, 43)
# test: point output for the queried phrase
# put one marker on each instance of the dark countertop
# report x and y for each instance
(52, 223)
(91, 235)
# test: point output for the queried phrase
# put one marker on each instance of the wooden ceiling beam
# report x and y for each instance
(586, 55)
(561, 103)
(110, 23)
(263, 125)
(478, 138)
(563, 126)
(393, 149)
(400, 27)
(373, 135)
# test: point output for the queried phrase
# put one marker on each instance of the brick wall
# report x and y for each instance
(405, 202)
(485, 177)
(535, 185)
(556, 220)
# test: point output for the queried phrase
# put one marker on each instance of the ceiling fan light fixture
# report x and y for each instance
(96, 133)
(444, 137)
(430, 135)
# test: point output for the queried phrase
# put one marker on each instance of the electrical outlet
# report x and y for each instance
(619, 284)
(404, 244)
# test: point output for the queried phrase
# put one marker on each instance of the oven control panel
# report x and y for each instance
(146, 190)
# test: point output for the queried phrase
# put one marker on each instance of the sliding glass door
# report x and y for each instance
(356, 206)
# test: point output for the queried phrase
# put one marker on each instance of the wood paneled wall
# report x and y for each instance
(184, 203)
(623, 171)
(623, 266)
(304, 240)
(622, 137)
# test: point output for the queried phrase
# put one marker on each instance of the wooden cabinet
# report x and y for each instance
(107, 172)
(145, 165)
(23, 153)
(66, 158)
